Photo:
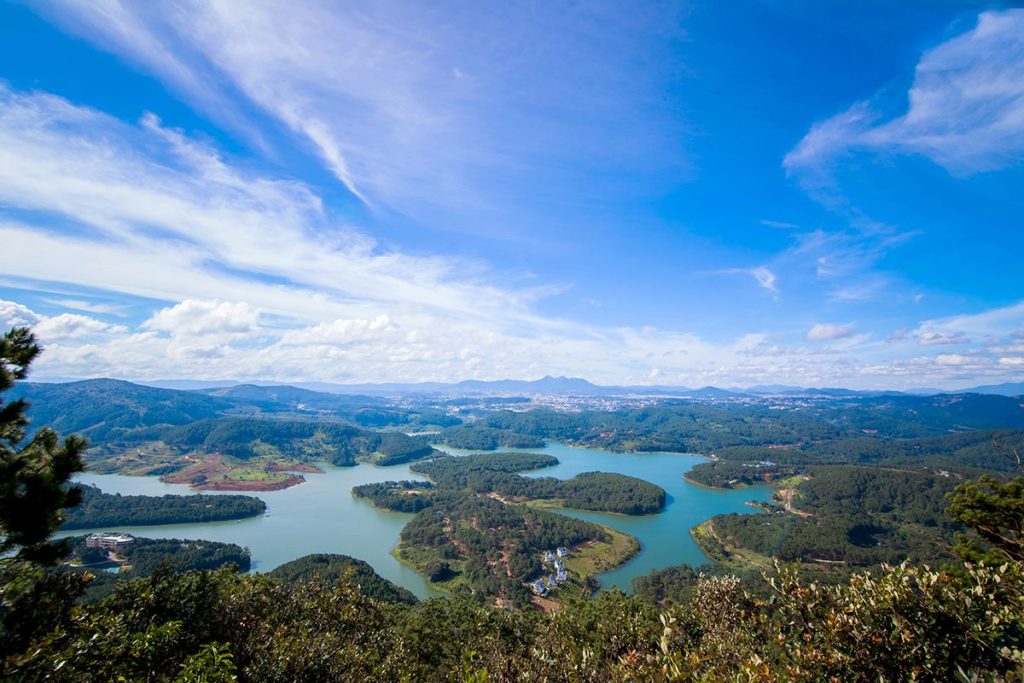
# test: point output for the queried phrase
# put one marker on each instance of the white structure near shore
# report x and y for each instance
(109, 541)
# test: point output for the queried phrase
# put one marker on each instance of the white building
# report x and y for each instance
(109, 541)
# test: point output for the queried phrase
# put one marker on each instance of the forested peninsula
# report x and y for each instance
(99, 509)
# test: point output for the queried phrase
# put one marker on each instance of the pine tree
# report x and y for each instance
(35, 489)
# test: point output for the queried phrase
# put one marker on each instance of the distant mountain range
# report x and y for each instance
(108, 411)
(574, 386)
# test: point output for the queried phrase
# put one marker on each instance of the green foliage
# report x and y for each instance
(907, 624)
(459, 471)
(214, 663)
(837, 429)
(33, 475)
(727, 474)
(399, 496)
(669, 586)
(108, 410)
(610, 492)
(439, 572)
(853, 517)
(332, 442)
(99, 509)
(334, 568)
(116, 412)
(34, 493)
(495, 473)
(147, 556)
(496, 546)
(486, 439)
(994, 512)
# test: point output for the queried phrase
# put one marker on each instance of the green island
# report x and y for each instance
(250, 454)
(496, 473)
(474, 531)
(467, 543)
(99, 509)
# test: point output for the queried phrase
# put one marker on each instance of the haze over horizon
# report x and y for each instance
(811, 194)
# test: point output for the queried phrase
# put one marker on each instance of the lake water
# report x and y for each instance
(318, 516)
(322, 516)
(664, 537)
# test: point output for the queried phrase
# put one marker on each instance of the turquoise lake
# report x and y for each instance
(322, 516)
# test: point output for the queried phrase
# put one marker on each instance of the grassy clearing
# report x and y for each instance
(790, 482)
(545, 503)
(720, 552)
(419, 558)
(602, 556)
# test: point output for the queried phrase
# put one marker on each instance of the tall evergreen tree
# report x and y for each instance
(35, 489)
(994, 512)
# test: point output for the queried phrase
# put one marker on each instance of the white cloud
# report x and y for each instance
(765, 278)
(965, 113)
(953, 359)
(340, 332)
(380, 92)
(782, 225)
(932, 338)
(828, 332)
(158, 222)
(70, 326)
(52, 328)
(194, 317)
(88, 306)
(994, 322)
(255, 279)
(13, 314)
(1011, 360)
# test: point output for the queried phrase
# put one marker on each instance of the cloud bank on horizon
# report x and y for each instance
(423, 193)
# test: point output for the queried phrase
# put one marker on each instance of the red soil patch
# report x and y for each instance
(210, 476)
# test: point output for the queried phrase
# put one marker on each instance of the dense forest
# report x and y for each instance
(399, 496)
(968, 453)
(114, 411)
(99, 509)
(848, 516)
(146, 555)
(335, 443)
(491, 547)
(459, 471)
(669, 586)
(495, 473)
(335, 568)
(476, 438)
(909, 624)
(685, 426)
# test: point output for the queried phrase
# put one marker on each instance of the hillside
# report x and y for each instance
(107, 410)
(335, 568)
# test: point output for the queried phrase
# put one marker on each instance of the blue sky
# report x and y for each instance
(648, 193)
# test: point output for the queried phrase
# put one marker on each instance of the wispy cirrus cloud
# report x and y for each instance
(764, 276)
(965, 109)
(420, 109)
(251, 276)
